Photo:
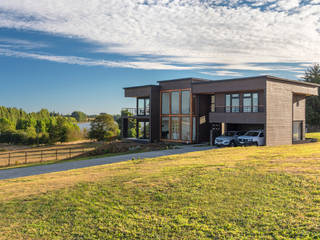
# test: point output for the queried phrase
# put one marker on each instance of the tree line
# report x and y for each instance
(312, 75)
(20, 127)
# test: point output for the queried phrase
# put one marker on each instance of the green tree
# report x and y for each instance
(131, 123)
(6, 125)
(103, 127)
(312, 75)
(79, 116)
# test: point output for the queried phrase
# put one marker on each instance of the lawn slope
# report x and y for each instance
(238, 193)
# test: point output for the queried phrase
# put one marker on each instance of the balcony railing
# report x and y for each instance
(129, 112)
(239, 109)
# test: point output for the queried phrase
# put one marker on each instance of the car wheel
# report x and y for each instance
(256, 144)
(232, 144)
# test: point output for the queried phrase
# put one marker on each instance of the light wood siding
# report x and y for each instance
(279, 114)
(299, 107)
(299, 111)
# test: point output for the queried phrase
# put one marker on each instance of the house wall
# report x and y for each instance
(281, 112)
(143, 91)
(202, 111)
(250, 84)
(155, 115)
(179, 84)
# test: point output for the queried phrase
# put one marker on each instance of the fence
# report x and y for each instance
(41, 155)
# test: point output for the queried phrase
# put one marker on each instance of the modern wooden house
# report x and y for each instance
(189, 110)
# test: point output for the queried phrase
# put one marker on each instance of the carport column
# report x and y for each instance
(223, 128)
(124, 127)
(137, 128)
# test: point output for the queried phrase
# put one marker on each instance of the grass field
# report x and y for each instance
(230, 193)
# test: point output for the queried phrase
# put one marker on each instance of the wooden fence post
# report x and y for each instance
(9, 159)
(25, 157)
(56, 154)
(41, 155)
(69, 152)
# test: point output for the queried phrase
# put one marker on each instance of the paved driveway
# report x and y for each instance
(64, 166)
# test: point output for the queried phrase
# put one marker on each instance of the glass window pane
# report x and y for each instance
(185, 128)
(165, 103)
(147, 102)
(175, 103)
(255, 102)
(185, 98)
(228, 102)
(175, 128)
(194, 129)
(140, 106)
(165, 128)
(247, 102)
(297, 131)
(235, 103)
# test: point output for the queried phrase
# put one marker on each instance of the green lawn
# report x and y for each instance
(230, 193)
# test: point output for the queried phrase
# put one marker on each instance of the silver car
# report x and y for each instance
(230, 138)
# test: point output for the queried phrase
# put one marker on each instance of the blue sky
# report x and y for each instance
(67, 55)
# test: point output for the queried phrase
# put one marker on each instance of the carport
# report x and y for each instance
(243, 127)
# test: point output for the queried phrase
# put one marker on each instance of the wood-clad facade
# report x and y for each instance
(194, 110)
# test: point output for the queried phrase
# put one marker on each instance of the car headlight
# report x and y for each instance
(226, 142)
(249, 140)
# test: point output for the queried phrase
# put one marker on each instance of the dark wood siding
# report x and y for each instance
(144, 91)
(178, 84)
(229, 86)
(155, 115)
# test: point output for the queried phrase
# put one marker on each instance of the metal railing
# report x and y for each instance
(239, 109)
(127, 112)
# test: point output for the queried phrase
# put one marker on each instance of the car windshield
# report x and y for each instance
(229, 134)
(252, 134)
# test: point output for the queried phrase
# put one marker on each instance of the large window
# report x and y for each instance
(185, 102)
(165, 128)
(143, 106)
(176, 116)
(255, 102)
(213, 103)
(175, 102)
(228, 103)
(165, 103)
(247, 102)
(175, 128)
(232, 102)
(185, 128)
(235, 102)
(250, 102)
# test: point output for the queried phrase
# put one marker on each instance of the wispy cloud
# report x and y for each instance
(21, 44)
(94, 62)
(238, 34)
(223, 73)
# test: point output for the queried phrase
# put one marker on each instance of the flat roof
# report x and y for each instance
(204, 81)
(141, 86)
(184, 79)
(265, 76)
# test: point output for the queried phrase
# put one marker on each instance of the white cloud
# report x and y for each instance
(223, 73)
(23, 44)
(93, 62)
(188, 31)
